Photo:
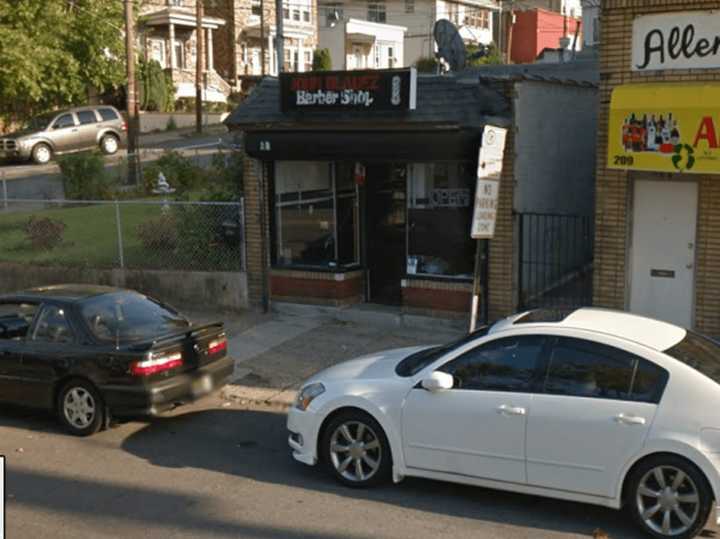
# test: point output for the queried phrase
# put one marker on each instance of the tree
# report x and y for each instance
(478, 55)
(156, 87)
(427, 64)
(54, 51)
(322, 60)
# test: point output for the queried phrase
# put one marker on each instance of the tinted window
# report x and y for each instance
(649, 382)
(700, 353)
(108, 114)
(127, 317)
(66, 120)
(86, 117)
(588, 369)
(416, 362)
(52, 326)
(503, 365)
(15, 319)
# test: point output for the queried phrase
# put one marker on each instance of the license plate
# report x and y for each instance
(202, 386)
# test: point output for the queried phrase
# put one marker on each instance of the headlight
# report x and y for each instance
(307, 394)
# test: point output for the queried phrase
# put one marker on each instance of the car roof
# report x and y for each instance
(649, 332)
(62, 292)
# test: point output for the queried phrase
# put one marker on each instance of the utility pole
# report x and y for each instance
(279, 37)
(200, 66)
(131, 95)
(262, 37)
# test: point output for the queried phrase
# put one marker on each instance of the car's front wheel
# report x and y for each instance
(355, 450)
(109, 144)
(669, 497)
(41, 154)
(80, 408)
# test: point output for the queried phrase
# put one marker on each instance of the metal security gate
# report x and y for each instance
(556, 260)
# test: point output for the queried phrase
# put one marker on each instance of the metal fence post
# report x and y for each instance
(4, 191)
(118, 224)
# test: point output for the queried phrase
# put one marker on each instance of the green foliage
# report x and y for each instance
(158, 233)
(171, 124)
(179, 171)
(54, 50)
(44, 233)
(225, 178)
(157, 92)
(322, 61)
(427, 65)
(195, 234)
(84, 177)
(492, 56)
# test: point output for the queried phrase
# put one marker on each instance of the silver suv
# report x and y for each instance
(56, 133)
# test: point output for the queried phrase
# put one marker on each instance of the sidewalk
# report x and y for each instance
(274, 354)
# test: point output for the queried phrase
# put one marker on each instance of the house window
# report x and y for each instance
(439, 217)
(256, 7)
(306, 16)
(244, 53)
(391, 57)
(316, 214)
(409, 6)
(286, 13)
(157, 51)
(180, 54)
(453, 12)
(296, 14)
(376, 11)
(176, 3)
(308, 60)
(478, 18)
(331, 13)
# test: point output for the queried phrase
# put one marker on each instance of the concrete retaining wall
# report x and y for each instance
(157, 121)
(185, 290)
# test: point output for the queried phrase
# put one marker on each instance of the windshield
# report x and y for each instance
(416, 362)
(699, 352)
(40, 122)
(129, 317)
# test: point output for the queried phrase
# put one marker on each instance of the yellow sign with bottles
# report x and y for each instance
(665, 127)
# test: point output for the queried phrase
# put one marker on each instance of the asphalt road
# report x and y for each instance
(216, 469)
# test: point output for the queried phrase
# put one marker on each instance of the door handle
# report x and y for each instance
(511, 410)
(630, 419)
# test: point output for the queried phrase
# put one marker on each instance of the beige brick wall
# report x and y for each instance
(614, 188)
(257, 228)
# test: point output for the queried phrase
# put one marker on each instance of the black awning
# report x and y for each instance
(440, 145)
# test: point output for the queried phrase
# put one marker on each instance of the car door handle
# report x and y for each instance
(626, 419)
(511, 410)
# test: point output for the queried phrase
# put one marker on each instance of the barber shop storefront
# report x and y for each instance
(365, 182)
(658, 190)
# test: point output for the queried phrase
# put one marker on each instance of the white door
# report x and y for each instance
(663, 250)
(477, 428)
(590, 421)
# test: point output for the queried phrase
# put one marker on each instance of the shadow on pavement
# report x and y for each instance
(252, 444)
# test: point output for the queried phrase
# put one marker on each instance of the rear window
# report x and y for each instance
(107, 114)
(699, 352)
(127, 317)
(416, 362)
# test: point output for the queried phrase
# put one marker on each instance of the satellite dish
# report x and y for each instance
(450, 45)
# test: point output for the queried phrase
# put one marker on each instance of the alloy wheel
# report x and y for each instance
(668, 500)
(355, 451)
(110, 145)
(42, 154)
(79, 407)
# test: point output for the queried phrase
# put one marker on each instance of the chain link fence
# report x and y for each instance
(152, 235)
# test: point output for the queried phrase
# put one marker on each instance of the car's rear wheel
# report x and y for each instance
(109, 144)
(355, 450)
(41, 154)
(669, 497)
(80, 407)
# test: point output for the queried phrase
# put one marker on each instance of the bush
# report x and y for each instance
(84, 177)
(157, 91)
(179, 171)
(44, 233)
(171, 124)
(483, 54)
(427, 65)
(225, 176)
(158, 233)
(322, 61)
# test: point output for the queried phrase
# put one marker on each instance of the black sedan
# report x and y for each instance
(90, 353)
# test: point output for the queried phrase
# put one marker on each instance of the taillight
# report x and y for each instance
(217, 346)
(124, 126)
(154, 364)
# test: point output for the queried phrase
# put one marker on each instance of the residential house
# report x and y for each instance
(246, 45)
(539, 32)
(167, 32)
(416, 18)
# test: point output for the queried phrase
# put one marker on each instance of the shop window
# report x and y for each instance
(439, 219)
(316, 215)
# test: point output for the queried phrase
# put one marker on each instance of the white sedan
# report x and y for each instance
(598, 406)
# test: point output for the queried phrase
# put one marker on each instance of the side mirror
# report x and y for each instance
(438, 381)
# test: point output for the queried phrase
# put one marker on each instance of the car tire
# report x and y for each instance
(41, 154)
(355, 450)
(668, 496)
(109, 144)
(80, 408)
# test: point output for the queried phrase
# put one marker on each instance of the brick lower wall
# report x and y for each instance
(316, 287)
(436, 297)
(614, 188)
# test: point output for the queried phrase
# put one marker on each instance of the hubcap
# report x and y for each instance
(42, 154)
(668, 500)
(110, 144)
(355, 451)
(79, 407)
